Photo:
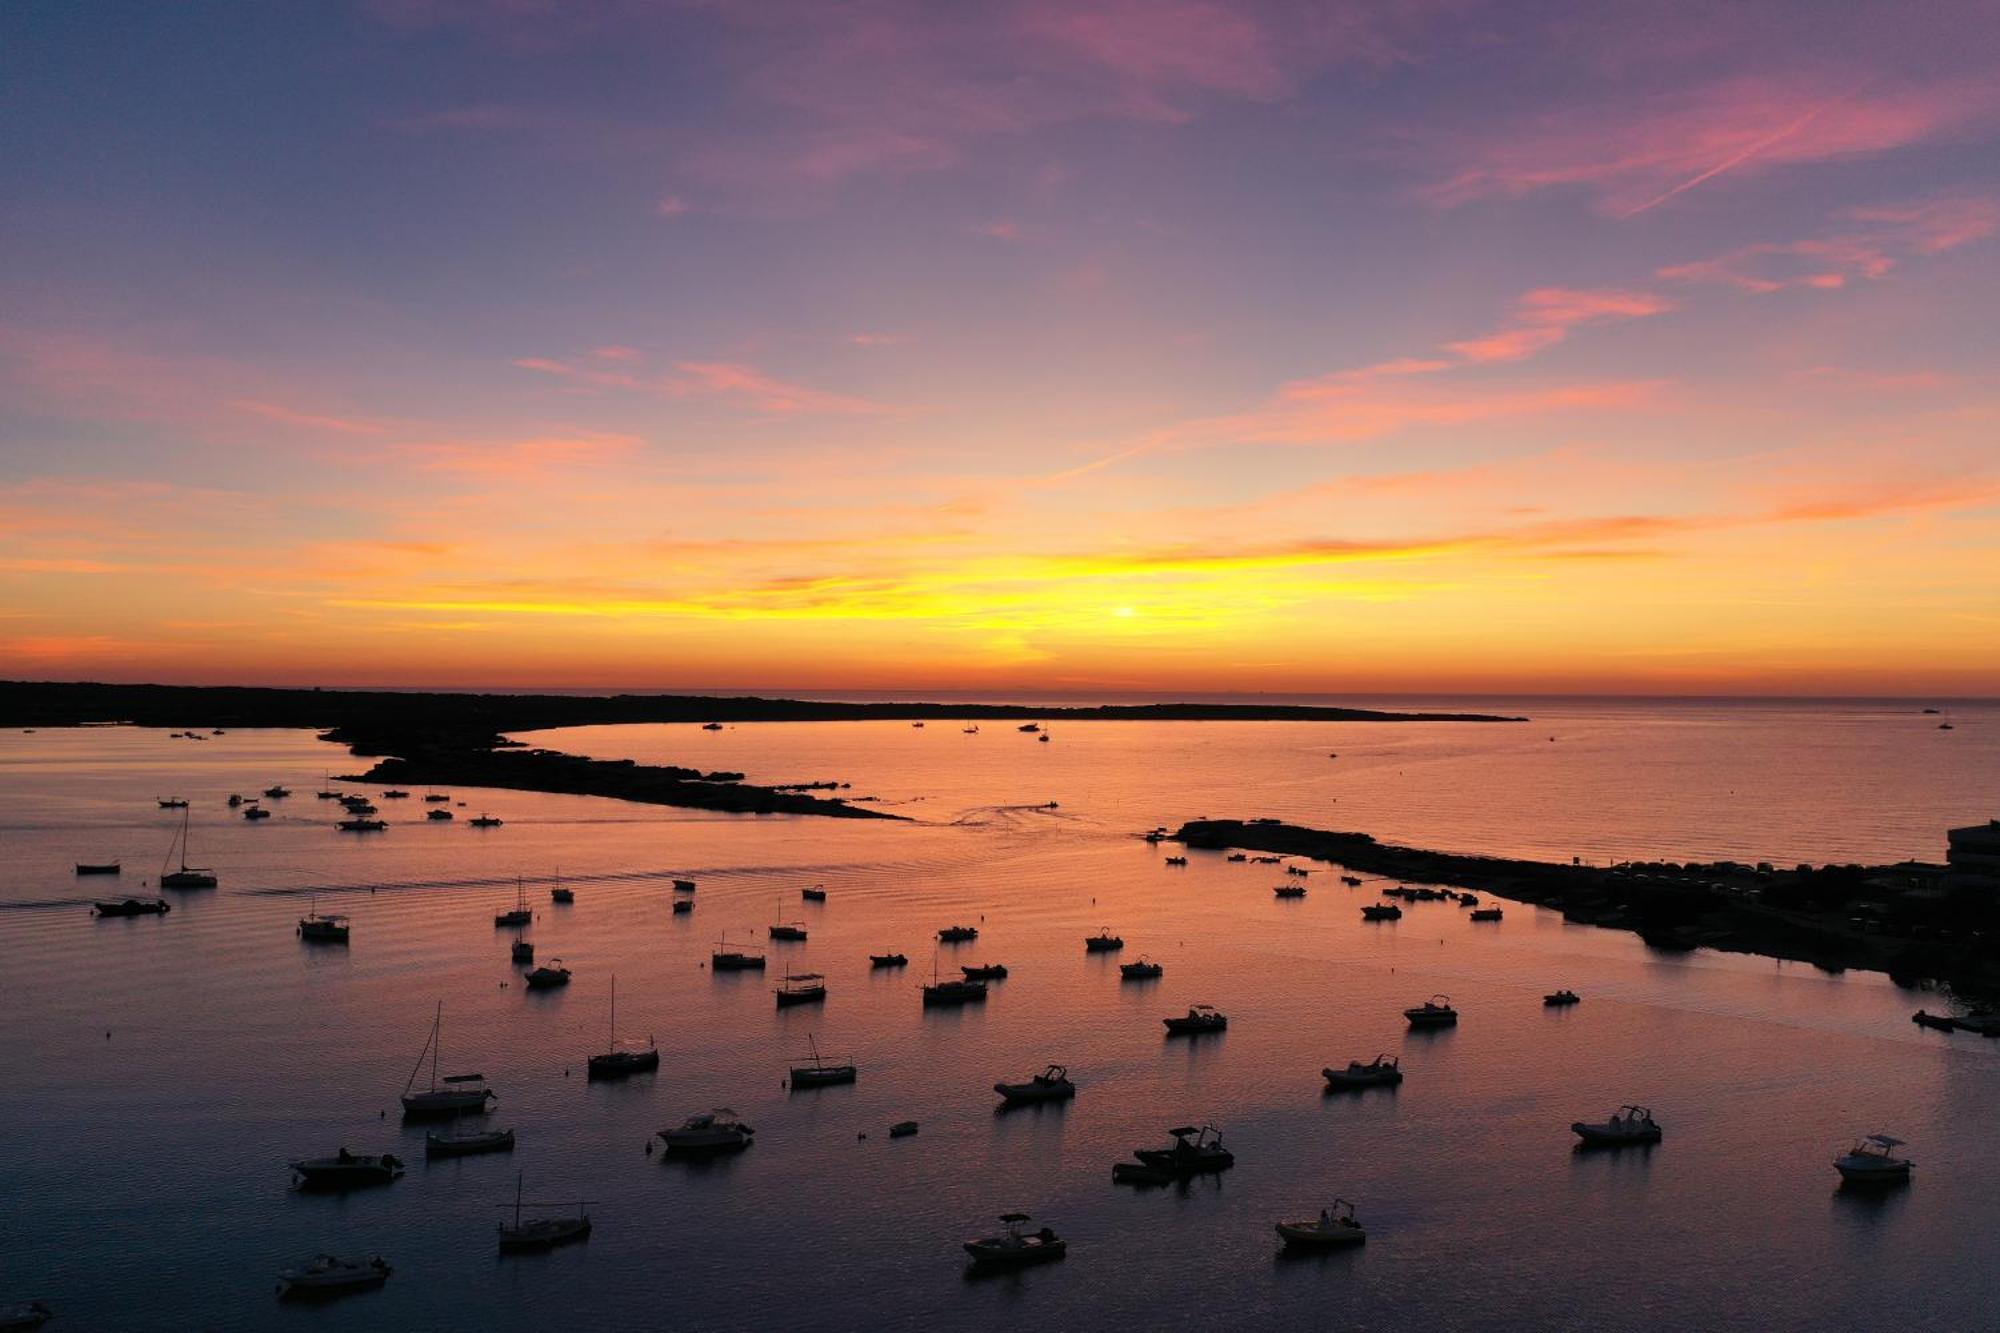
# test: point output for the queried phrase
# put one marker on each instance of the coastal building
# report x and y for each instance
(1973, 856)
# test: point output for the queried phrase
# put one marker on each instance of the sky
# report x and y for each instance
(1162, 345)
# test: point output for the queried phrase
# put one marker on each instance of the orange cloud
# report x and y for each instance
(307, 420)
(762, 392)
(1545, 316)
(1869, 243)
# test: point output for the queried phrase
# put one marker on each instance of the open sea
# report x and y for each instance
(156, 1074)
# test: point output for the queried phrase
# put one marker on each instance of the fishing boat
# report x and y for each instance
(1628, 1124)
(187, 876)
(1381, 912)
(1435, 1012)
(1486, 914)
(1289, 891)
(985, 972)
(486, 821)
(617, 1061)
(318, 929)
(133, 907)
(957, 934)
(1381, 1072)
(1334, 1227)
(1925, 1019)
(1014, 1248)
(1873, 1161)
(1197, 1020)
(1103, 942)
(887, 960)
(817, 1072)
(1560, 999)
(941, 992)
(548, 976)
(788, 930)
(1051, 1085)
(345, 1170)
(326, 1275)
(469, 1143)
(815, 894)
(1142, 970)
(562, 894)
(716, 1131)
(536, 1234)
(797, 988)
(521, 950)
(362, 825)
(440, 814)
(97, 867)
(1194, 1151)
(726, 959)
(518, 915)
(455, 1094)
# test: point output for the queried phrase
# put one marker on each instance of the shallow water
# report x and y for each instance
(145, 1184)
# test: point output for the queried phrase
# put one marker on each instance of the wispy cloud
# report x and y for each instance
(733, 381)
(1545, 316)
(1865, 243)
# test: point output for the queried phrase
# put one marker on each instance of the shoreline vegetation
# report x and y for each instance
(446, 739)
(1897, 919)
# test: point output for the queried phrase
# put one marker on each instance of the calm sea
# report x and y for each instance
(160, 1072)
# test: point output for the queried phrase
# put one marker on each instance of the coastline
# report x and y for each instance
(1803, 913)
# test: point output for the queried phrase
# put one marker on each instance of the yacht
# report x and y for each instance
(1198, 1019)
(1051, 1085)
(326, 1275)
(1103, 942)
(187, 877)
(1435, 1012)
(800, 988)
(815, 1071)
(1873, 1161)
(1335, 1226)
(1015, 1248)
(1381, 1072)
(455, 1094)
(617, 1061)
(1629, 1124)
(716, 1131)
(346, 1170)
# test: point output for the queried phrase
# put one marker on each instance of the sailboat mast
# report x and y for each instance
(611, 1043)
(437, 1042)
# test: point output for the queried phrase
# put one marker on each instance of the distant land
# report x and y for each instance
(460, 739)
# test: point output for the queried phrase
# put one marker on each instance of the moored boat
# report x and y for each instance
(326, 1275)
(1381, 912)
(985, 972)
(800, 988)
(816, 1071)
(1198, 1019)
(1194, 1151)
(617, 1061)
(1051, 1085)
(470, 1143)
(187, 876)
(815, 894)
(957, 934)
(1435, 1012)
(345, 1170)
(362, 825)
(548, 976)
(323, 929)
(1144, 969)
(486, 821)
(518, 915)
(454, 1094)
(24, 1315)
(1334, 1227)
(1015, 1248)
(1873, 1161)
(256, 812)
(97, 867)
(1384, 1071)
(887, 960)
(788, 930)
(1486, 914)
(1289, 891)
(716, 1131)
(536, 1234)
(726, 959)
(683, 906)
(1103, 942)
(1628, 1125)
(1924, 1019)
(134, 907)
(1560, 999)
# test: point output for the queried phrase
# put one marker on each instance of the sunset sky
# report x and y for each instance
(1165, 345)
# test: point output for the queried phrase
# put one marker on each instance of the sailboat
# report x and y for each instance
(461, 1094)
(187, 877)
(542, 1233)
(616, 1061)
(520, 916)
(815, 1072)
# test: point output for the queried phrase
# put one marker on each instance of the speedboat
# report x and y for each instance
(548, 976)
(788, 930)
(1051, 1085)
(1381, 1072)
(957, 934)
(1381, 912)
(1142, 970)
(1557, 999)
(329, 1275)
(1015, 1248)
(1335, 1226)
(1194, 1151)
(1103, 942)
(714, 1131)
(985, 972)
(454, 1094)
(1198, 1019)
(800, 988)
(1435, 1012)
(1629, 1124)
(817, 1072)
(469, 1143)
(887, 960)
(345, 1170)
(134, 907)
(1873, 1161)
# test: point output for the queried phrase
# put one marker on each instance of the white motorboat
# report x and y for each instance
(330, 1275)
(1629, 1124)
(346, 1170)
(716, 1131)
(1051, 1085)
(1335, 1226)
(1873, 1161)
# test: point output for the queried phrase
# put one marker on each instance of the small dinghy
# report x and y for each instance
(985, 972)
(1435, 1012)
(716, 1131)
(345, 1170)
(1194, 1151)
(326, 1275)
(1628, 1125)
(548, 976)
(957, 934)
(1198, 1019)
(1051, 1085)
(1103, 942)
(1381, 1072)
(468, 1144)
(1015, 1248)
(1873, 1161)
(800, 988)
(536, 1234)
(887, 960)
(1334, 1227)
(1558, 999)
(1142, 970)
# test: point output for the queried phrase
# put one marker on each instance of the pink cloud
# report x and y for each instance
(306, 420)
(1866, 243)
(763, 393)
(1635, 156)
(999, 230)
(1545, 316)
(672, 206)
(521, 458)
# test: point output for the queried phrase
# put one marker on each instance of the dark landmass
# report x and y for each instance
(40, 703)
(1903, 919)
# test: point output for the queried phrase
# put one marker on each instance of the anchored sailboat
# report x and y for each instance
(460, 1094)
(187, 877)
